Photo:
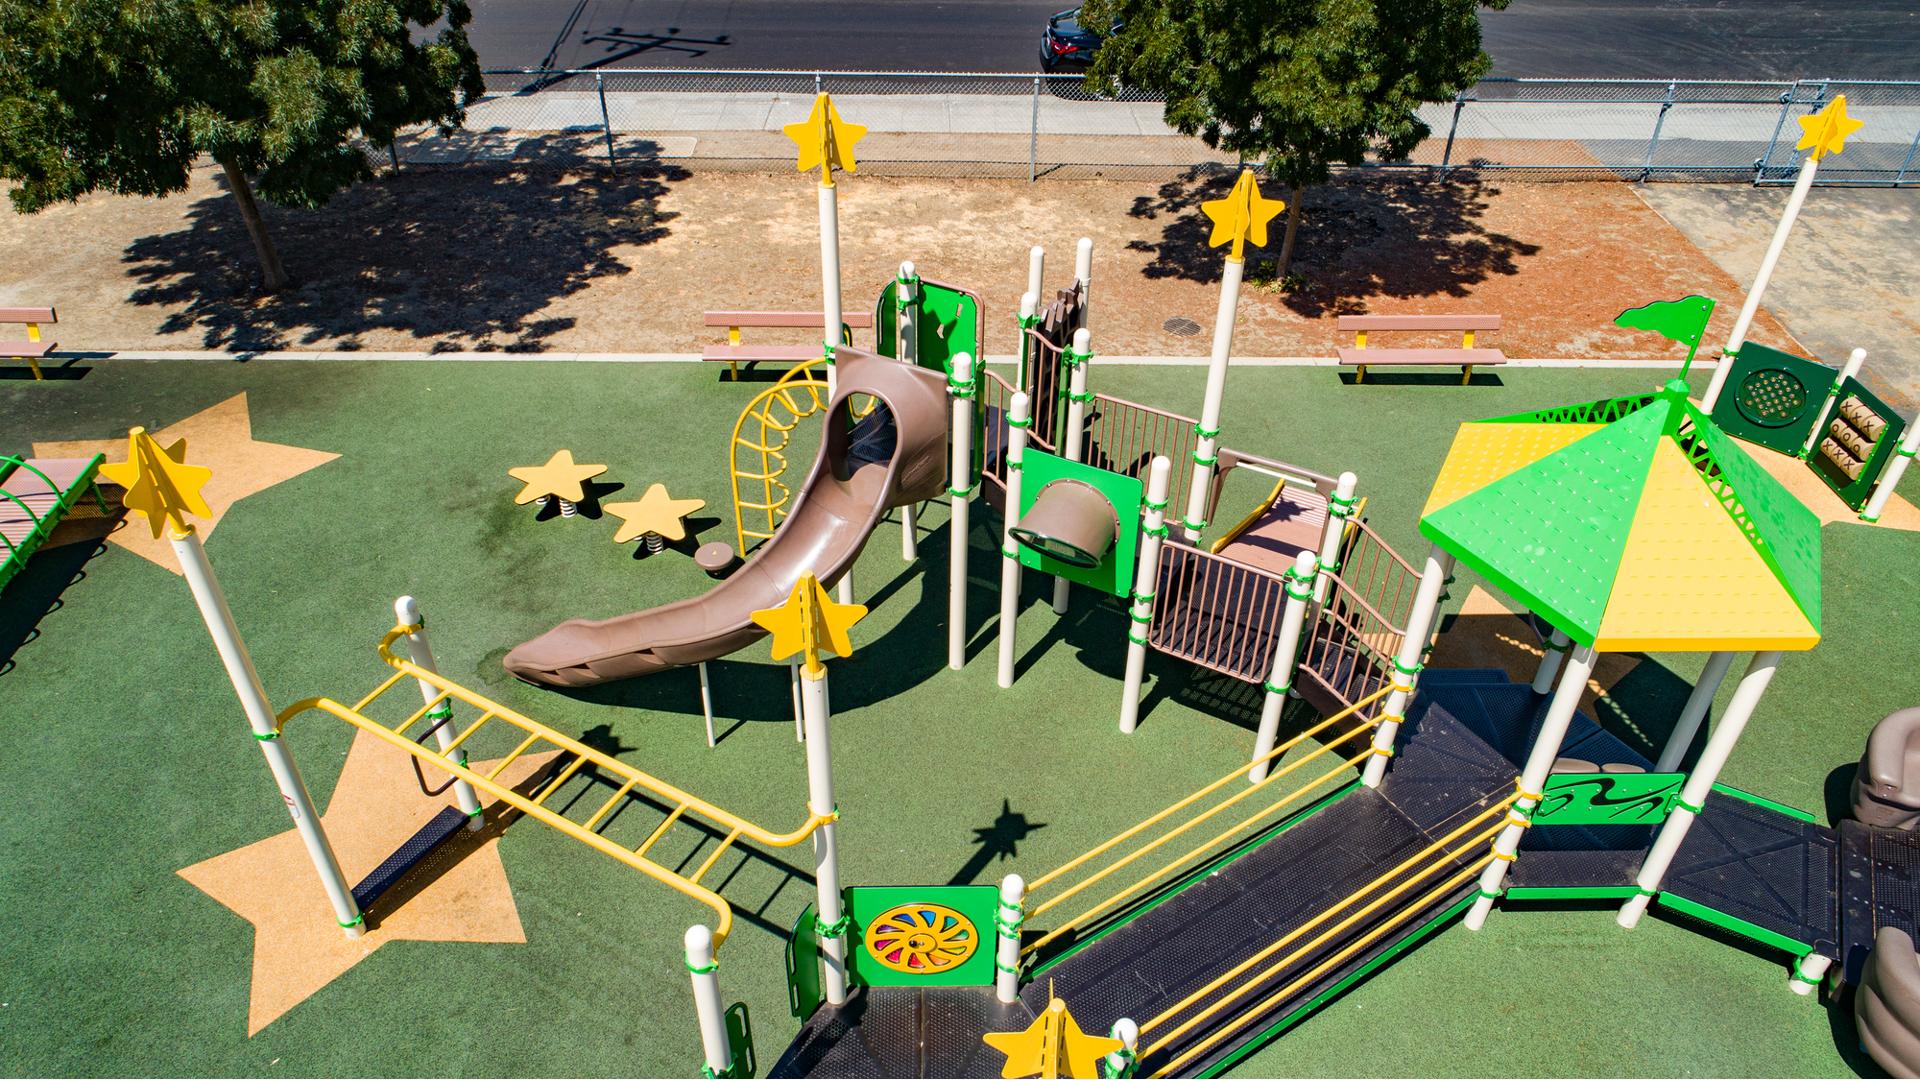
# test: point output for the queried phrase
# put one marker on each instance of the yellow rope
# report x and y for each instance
(1306, 950)
(1323, 967)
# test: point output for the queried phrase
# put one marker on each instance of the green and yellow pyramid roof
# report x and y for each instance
(1632, 524)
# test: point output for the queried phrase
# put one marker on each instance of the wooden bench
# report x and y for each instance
(1466, 356)
(734, 353)
(35, 494)
(32, 349)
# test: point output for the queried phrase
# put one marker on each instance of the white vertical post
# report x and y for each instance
(1407, 662)
(1079, 358)
(1693, 794)
(1747, 310)
(1083, 278)
(253, 701)
(707, 1008)
(406, 611)
(799, 724)
(1029, 303)
(1286, 652)
(1036, 268)
(1019, 419)
(1206, 450)
(1546, 750)
(1807, 973)
(1902, 457)
(706, 702)
(1552, 651)
(1339, 510)
(960, 388)
(1695, 711)
(1006, 938)
(1851, 370)
(1121, 1061)
(906, 306)
(830, 307)
(826, 850)
(1153, 532)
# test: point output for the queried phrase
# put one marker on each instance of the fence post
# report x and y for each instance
(1786, 105)
(393, 155)
(606, 122)
(1646, 167)
(1908, 163)
(1446, 155)
(1033, 134)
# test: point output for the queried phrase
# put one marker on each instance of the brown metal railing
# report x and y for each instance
(1125, 436)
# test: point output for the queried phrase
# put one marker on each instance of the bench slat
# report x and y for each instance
(30, 315)
(1419, 322)
(1445, 357)
(23, 349)
(797, 320)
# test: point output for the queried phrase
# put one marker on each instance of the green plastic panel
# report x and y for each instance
(972, 909)
(1607, 798)
(1750, 797)
(1604, 411)
(803, 967)
(1778, 524)
(1772, 398)
(740, 1060)
(1114, 573)
(1569, 892)
(1855, 491)
(950, 322)
(1550, 535)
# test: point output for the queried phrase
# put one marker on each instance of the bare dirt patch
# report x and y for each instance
(539, 257)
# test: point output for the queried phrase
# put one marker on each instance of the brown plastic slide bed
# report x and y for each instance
(895, 456)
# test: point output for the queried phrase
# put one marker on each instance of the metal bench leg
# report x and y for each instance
(1466, 374)
(1360, 374)
(35, 365)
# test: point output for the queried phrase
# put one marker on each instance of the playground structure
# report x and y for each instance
(1212, 925)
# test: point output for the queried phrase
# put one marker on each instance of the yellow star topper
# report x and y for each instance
(825, 140)
(159, 482)
(1052, 1041)
(1242, 216)
(811, 623)
(1826, 131)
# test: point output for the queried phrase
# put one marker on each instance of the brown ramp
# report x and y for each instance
(894, 456)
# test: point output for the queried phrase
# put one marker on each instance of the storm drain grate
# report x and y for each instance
(1181, 326)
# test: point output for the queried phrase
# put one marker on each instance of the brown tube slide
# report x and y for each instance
(894, 456)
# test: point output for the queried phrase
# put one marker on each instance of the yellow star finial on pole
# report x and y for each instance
(1054, 1040)
(825, 140)
(159, 482)
(1826, 131)
(811, 623)
(1242, 216)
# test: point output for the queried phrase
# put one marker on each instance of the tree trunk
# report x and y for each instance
(273, 276)
(1293, 230)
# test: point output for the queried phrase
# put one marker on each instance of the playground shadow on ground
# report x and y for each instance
(465, 258)
(39, 589)
(1367, 236)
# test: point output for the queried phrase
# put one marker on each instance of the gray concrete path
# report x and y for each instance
(1848, 277)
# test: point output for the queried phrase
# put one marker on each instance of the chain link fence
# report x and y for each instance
(1034, 127)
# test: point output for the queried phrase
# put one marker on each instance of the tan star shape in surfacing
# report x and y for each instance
(220, 439)
(459, 894)
(560, 477)
(654, 512)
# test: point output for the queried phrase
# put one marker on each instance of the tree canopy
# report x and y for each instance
(124, 95)
(1299, 85)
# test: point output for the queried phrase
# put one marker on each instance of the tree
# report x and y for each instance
(1298, 84)
(124, 95)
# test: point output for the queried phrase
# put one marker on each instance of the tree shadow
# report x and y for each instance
(468, 258)
(1363, 235)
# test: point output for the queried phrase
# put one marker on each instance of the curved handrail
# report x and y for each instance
(773, 461)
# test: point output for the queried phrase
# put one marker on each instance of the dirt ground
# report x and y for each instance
(535, 257)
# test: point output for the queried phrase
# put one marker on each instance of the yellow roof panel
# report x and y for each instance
(1483, 453)
(1689, 580)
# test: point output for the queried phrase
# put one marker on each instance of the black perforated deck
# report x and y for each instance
(904, 1031)
(418, 846)
(1763, 867)
(1878, 869)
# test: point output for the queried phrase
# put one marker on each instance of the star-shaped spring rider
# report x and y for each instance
(1242, 216)
(825, 140)
(656, 516)
(560, 478)
(1052, 1046)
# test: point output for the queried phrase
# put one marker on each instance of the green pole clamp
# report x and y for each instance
(1648, 893)
(1026, 322)
(1073, 357)
(1205, 432)
(1869, 518)
(1303, 592)
(1009, 927)
(1196, 526)
(1084, 399)
(827, 348)
(268, 737)
(1014, 421)
(1137, 640)
(358, 919)
(1160, 505)
(710, 967)
(1338, 506)
(1146, 598)
(959, 389)
(834, 929)
(1159, 530)
(1283, 689)
(1901, 451)
(1143, 620)
(965, 492)
(1799, 973)
(1128, 1059)
(1683, 804)
(1404, 669)
(904, 279)
(1488, 894)
(1009, 553)
(1209, 462)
